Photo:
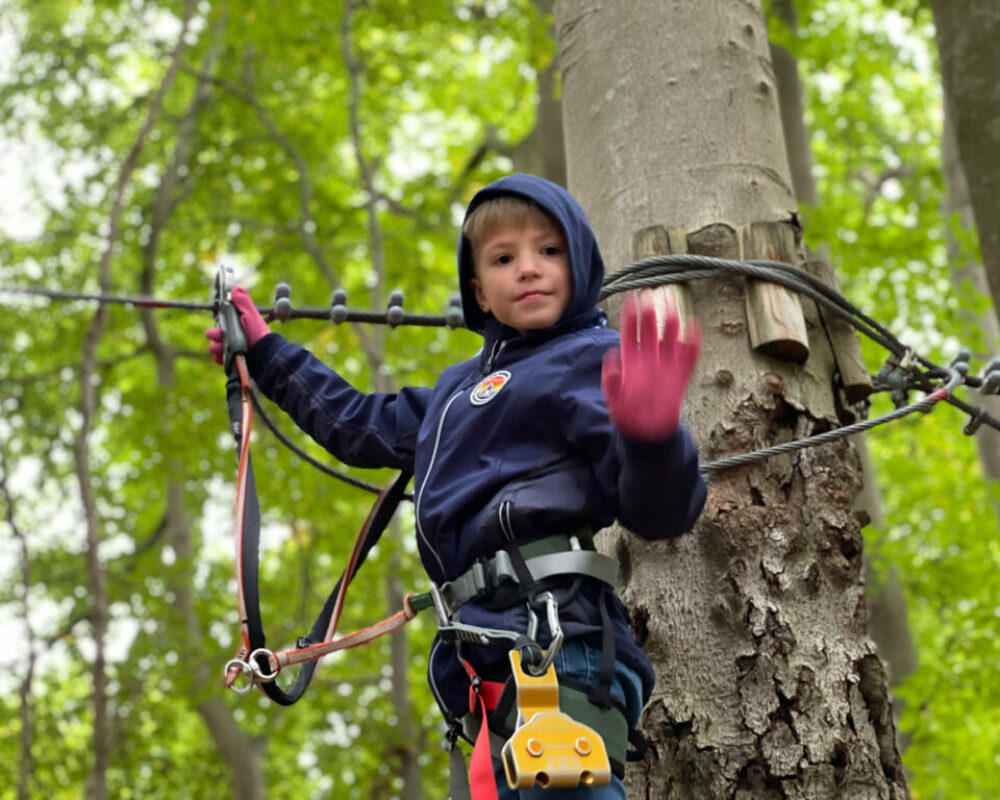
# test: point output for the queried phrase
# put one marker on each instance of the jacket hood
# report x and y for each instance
(586, 264)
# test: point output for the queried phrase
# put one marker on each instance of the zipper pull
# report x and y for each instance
(497, 350)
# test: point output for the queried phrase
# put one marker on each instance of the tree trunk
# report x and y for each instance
(768, 686)
(888, 624)
(242, 754)
(971, 272)
(542, 152)
(25, 774)
(967, 34)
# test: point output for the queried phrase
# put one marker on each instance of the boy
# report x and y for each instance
(547, 435)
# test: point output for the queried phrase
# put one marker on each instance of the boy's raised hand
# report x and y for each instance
(250, 318)
(644, 383)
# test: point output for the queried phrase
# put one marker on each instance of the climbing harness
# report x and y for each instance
(504, 717)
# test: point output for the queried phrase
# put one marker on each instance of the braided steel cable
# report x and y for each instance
(646, 273)
(391, 318)
(681, 268)
(925, 404)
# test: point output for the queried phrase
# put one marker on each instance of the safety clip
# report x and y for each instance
(234, 339)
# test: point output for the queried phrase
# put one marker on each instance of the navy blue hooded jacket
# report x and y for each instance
(540, 456)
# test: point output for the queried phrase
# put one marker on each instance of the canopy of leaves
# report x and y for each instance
(323, 144)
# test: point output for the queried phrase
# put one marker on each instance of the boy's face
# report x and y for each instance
(522, 274)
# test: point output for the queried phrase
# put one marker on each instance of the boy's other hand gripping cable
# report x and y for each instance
(250, 318)
(644, 382)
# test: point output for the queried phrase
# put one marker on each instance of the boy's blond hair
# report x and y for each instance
(501, 211)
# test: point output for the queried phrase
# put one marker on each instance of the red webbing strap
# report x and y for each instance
(483, 697)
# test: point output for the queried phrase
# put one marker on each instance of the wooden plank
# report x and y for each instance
(857, 383)
(775, 321)
(658, 240)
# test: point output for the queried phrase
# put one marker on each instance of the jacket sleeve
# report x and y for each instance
(657, 486)
(362, 430)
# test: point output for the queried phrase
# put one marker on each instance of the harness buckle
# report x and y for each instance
(482, 578)
(549, 747)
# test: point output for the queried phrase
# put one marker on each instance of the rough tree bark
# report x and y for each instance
(768, 687)
(967, 33)
(887, 617)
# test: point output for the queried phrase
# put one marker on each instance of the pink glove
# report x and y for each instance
(644, 383)
(251, 320)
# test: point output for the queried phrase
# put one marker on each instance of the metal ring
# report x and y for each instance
(255, 666)
(245, 669)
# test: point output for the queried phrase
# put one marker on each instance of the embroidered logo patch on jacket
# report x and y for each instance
(489, 387)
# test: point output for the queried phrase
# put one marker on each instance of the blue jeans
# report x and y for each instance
(580, 661)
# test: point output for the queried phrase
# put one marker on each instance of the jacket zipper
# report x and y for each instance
(427, 477)
(498, 347)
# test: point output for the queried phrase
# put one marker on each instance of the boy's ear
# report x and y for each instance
(477, 289)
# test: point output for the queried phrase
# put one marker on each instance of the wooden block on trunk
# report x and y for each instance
(775, 321)
(658, 240)
(843, 340)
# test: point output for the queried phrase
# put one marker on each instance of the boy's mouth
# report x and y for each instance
(532, 293)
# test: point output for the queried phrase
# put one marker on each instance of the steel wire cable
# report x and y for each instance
(925, 404)
(647, 273)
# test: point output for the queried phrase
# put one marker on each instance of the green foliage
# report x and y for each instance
(259, 156)
(874, 108)
(270, 123)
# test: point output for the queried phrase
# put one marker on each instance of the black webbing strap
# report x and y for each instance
(249, 551)
(600, 692)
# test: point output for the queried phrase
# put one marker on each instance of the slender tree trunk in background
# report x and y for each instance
(887, 618)
(96, 583)
(768, 687)
(972, 272)
(967, 35)
(25, 773)
(410, 744)
(242, 754)
(543, 152)
(403, 746)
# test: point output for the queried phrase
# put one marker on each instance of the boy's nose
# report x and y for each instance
(529, 265)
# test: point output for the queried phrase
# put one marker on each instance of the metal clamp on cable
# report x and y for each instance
(234, 338)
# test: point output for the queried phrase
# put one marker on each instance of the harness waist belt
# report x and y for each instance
(483, 577)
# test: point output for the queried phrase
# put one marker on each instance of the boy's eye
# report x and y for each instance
(502, 258)
(552, 250)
